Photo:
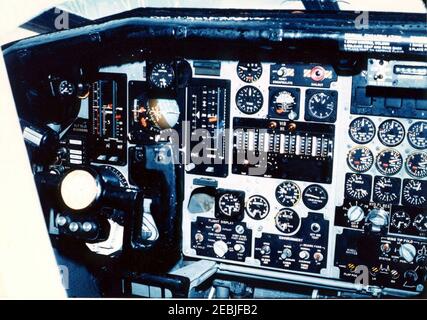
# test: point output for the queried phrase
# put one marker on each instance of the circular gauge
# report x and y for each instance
(288, 194)
(414, 192)
(162, 75)
(163, 113)
(66, 88)
(358, 187)
(249, 71)
(416, 164)
(386, 190)
(389, 162)
(417, 135)
(315, 197)
(287, 221)
(420, 222)
(249, 100)
(360, 159)
(283, 102)
(321, 105)
(362, 130)
(257, 207)
(391, 133)
(401, 220)
(229, 205)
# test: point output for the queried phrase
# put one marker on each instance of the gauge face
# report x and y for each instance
(414, 192)
(284, 102)
(362, 130)
(249, 100)
(287, 221)
(162, 75)
(288, 194)
(229, 205)
(417, 135)
(66, 88)
(360, 159)
(358, 186)
(257, 207)
(389, 162)
(401, 220)
(420, 222)
(315, 197)
(249, 71)
(416, 164)
(391, 133)
(321, 106)
(386, 190)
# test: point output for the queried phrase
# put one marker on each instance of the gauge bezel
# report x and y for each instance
(410, 129)
(308, 204)
(297, 188)
(380, 169)
(294, 214)
(310, 116)
(248, 211)
(409, 171)
(245, 63)
(352, 137)
(350, 164)
(381, 138)
(241, 107)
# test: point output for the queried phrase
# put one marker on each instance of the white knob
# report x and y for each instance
(355, 214)
(61, 221)
(287, 253)
(73, 227)
(87, 226)
(304, 255)
(408, 252)
(220, 248)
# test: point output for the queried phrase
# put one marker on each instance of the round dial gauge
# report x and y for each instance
(315, 197)
(420, 222)
(287, 221)
(389, 162)
(321, 105)
(391, 133)
(386, 190)
(360, 159)
(417, 135)
(414, 192)
(288, 194)
(283, 102)
(162, 75)
(362, 130)
(66, 88)
(358, 187)
(257, 207)
(249, 71)
(400, 220)
(229, 205)
(249, 100)
(416, 164)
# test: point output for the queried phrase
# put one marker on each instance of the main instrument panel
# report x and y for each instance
(288, 167)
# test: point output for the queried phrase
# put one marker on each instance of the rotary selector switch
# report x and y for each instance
(378, 218)
(220, 248)
(408, 252)
(355, 214)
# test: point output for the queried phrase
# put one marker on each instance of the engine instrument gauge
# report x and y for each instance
(257, 207)
(229, 205)
(417, 135)
(420, 222)
(360, 159)
(288, 194)
(249, 71)
(358, 186)
(389, 162)
(416, 164)
(391, 133)
(315, 197)
(249, 100)
(287, 221)
(162, 75)
(321, 105)
(362, 130)
(400, 220)
(414, 192)
(386, 190)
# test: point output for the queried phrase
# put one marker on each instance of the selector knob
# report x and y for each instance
(220, 248)
(304, 255)
(265, 250)
(355, 214)
(287, 253)
(408, 252)
(74, 227)
(378, 218)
